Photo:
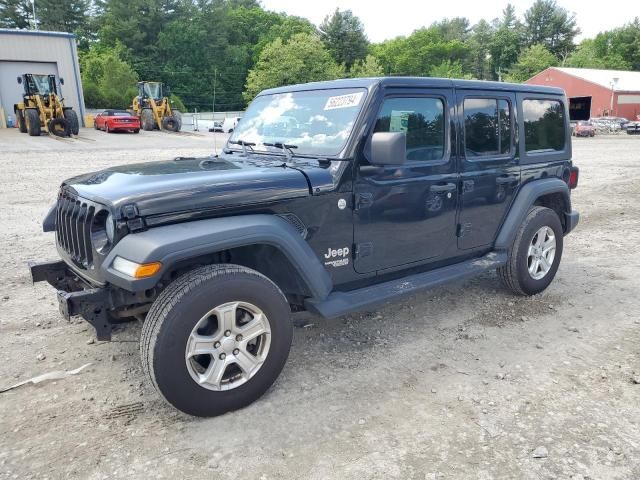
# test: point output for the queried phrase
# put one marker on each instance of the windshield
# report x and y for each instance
(153, 90)
(40, 84)
(314, 122)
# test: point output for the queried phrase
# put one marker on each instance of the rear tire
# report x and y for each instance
(253, 306)
(32, 120)
(147, 120)
(540, 231)
(22, 126)
(137, 130)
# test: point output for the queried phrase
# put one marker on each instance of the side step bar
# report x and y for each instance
(342, 303)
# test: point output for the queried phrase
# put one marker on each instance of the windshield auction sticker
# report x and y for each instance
(344, 101)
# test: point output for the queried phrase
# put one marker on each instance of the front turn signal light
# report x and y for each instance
(136, 270)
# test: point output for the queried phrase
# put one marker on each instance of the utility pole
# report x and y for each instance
(213, 114)
(614, 82)
(215, 79)
(33, 9)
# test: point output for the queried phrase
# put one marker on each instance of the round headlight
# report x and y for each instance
(110, 228)
(99, 237)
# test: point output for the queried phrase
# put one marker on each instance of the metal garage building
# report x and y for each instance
(595, 93)
(33, 51)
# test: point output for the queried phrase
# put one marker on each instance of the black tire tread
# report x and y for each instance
(34, 127)
(74, 123)
(508, 274)
(170, 297)
(21, 122)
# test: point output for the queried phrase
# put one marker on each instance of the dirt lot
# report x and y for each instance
(452, 383)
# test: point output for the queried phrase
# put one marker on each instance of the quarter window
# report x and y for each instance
(422, 119)
(543, 125)
(487, 127)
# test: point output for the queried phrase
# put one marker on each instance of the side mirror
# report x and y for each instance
(19, 80)
(61, 81)
(388, 148)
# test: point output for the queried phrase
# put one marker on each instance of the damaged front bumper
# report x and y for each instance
(76, 297)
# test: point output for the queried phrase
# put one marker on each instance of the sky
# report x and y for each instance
(384, 20)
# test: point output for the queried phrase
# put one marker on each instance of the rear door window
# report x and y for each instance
(543, 125)
(487, 127)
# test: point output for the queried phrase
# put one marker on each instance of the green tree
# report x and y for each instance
(369, 67)
(622, 43)
(531, 61)
(451, 29)
(449, 69)
(301, 59)
(15, 14)
(552, 26)
(480, 50)
(506, 42)
(137, 25)
(62, 15)
(586, 55)
(420, 52)
(107, 80)
(343, 35)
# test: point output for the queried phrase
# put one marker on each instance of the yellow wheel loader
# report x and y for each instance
(154, 109)
(42, 109)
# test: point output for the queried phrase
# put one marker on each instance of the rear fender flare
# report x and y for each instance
(172, 244)
(526, 197)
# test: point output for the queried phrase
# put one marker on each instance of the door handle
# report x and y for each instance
(446, 187)
(506, 179)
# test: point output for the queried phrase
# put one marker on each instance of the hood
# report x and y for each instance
(186, 184)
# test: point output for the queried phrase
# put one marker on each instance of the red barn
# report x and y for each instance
(595, 93)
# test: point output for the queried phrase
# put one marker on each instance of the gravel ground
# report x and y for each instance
(453, 383)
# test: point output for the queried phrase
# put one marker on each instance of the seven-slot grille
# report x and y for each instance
(73, 228)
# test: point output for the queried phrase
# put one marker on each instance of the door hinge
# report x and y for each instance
(363, 200)
(363, 250)
(130, 211)
(136, 224)
(462, 229)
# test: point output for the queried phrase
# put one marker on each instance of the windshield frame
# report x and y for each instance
(344, 147)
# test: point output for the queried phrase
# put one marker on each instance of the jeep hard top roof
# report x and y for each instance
(416, 82)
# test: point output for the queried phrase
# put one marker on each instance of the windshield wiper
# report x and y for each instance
(287, 148)
(243, 144)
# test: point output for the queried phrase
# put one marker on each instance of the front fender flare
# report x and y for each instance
(526, 197)
(174, 243)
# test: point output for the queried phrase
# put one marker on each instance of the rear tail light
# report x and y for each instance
(574, 173)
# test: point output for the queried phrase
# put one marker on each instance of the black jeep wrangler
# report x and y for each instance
(328, 197)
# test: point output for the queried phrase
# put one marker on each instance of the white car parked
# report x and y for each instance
(229, 124)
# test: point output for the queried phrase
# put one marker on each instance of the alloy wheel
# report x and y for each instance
(228, 346)
(541, 253)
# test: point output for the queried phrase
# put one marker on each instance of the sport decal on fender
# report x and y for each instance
(341, 256)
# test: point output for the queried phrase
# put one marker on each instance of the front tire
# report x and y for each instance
(216, 339)
(535, 254)
(72, 118)
(147, 120)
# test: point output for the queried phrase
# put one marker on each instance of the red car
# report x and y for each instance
(116, 120)
(584, 129)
